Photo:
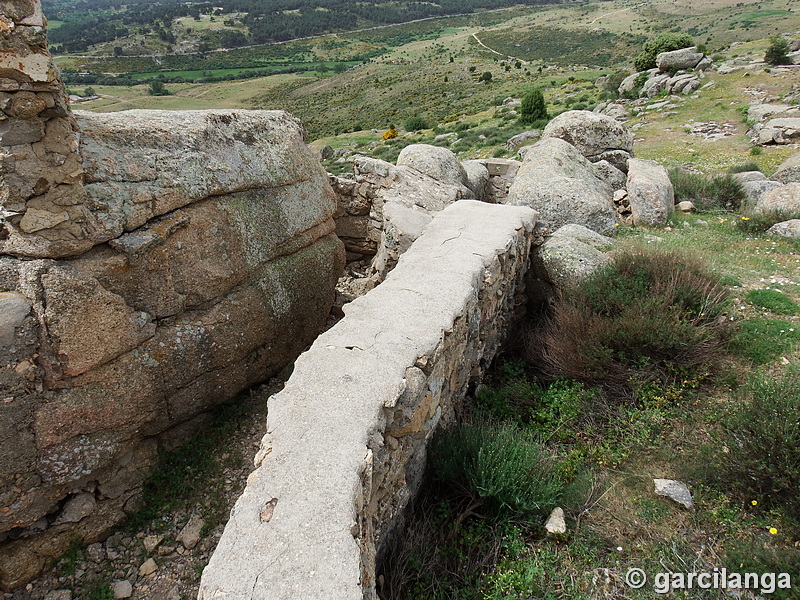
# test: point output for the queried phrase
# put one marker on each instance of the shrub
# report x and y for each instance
(416, 124)
(533, 107)
(500, 467)
(389, 133)
(650, 316)
(773, 301)
(486, 76)
(744, 167)
(663, 43)
(157, 88)
(762, 434)
(777, 52)
(708, 193)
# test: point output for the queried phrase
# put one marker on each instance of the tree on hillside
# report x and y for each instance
(666, 42)
(157, 88)
(487, 77)
(533, 107)
(777, 51)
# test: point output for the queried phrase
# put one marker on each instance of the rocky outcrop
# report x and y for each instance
(515, 142)
(650, 194)
(561, 185)
(789, 170)
(779, 131)
(346, 439)
(597, 137)
(212, 264)
(615, 178)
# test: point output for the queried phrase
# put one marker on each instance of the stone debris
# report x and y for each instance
(122, 589)
(190, 534)
(711, 130)
(675, 491)
(148, 567)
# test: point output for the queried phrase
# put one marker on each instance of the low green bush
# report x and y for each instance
(757, 223)
(650, 316)
(720, 192)
(773, 301)
(762, 434)
(416, 124)
(665, 42)
(502, 468)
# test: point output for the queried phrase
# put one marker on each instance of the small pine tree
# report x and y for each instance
(533, 107)
(777, 51)
(487, 76)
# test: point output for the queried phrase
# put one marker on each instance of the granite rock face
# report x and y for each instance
(206, 261)
(650, 193)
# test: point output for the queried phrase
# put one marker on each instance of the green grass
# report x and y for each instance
(773, 300)
(762, 341)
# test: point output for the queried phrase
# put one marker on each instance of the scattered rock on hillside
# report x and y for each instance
(787, 229)
(675, 491)
(783, 200)
(650, 192)
(615, 110)
(676, 60)
(711, 130)
(685, 206)
(438, 163)
(570, 255)
(560, 184)
(556, 523)
(789, 171)
(597, 137)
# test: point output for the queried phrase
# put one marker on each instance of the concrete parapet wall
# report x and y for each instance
(346, 439)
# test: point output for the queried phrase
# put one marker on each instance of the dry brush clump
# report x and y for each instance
(651, 316)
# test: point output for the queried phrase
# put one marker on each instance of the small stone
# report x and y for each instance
(674, 490)
(151, 542)
(77, 508)
(165, 550)
(59, 595)
(556, 524)
(685, 206)
(122, 589)
(148, 568)
(190, 534)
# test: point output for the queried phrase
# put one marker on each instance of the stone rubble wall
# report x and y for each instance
(346, 439)
(45, 212)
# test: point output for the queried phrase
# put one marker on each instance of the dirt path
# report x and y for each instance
(613, 12)
(475, 35)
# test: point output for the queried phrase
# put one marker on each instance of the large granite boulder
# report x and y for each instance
(597, 137)
(213, 264)
(650, 193)
(558, 182)
(676, 60)
(783, 201)
(478, 179)
(789, 171)
(437, 163)
(570, 255)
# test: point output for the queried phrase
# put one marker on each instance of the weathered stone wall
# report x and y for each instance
(346, 438)
(152, 265)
